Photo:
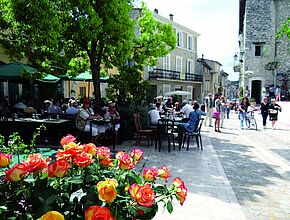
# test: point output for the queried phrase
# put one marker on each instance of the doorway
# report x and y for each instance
(256, 90)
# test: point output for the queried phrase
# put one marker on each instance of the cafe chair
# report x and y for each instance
(141, 132)
(195, 134)
(166, 128)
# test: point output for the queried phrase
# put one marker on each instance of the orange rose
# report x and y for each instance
(163, 173)
(182, 193)
(103, 153)
(144, 195)
(69, 151)
(5, 159)
(35, 162)
(83, 160)
(17, 172)
(149, 174)
(107, 190)
(136, 155)
(181, 189)
(97, 212)
(106, 162)
(125, 161)
(67, 139)
(52, 215)
(178, 183)
(90, 148)
(58, 168)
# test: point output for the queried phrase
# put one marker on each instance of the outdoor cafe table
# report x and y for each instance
(55, 128)
(107, 122)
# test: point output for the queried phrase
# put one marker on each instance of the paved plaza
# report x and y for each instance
(240, 174)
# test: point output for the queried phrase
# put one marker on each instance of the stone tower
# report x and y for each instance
(264, 60)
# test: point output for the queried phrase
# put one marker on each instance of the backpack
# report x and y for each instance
(80, 122)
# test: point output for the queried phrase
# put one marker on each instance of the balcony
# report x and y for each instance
(174, 75)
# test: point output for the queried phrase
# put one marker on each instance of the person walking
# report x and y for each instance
(243, 111)
(264, 110)
(273, 112)
(217, 113)
(278, 93)
(223, 110)
(209, 103)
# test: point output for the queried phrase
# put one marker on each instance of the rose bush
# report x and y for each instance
(83, 181)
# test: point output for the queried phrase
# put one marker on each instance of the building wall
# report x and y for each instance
(262, 19)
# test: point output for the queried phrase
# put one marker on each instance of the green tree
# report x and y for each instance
(153, 40)
(284, 30)
(62, 35)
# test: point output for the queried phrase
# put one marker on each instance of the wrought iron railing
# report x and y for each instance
(175, 75)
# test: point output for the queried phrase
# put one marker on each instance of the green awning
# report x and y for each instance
(15, 70)
(85, 76)
(48, 78)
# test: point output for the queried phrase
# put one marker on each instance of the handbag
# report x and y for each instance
(215, 114)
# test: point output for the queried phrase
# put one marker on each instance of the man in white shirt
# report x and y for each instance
(154, 115)
(186, 109)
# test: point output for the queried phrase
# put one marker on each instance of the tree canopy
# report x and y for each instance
(152, 40)
(61, 35)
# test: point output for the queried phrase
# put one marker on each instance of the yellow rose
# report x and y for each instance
(107, 190)
(52, 215)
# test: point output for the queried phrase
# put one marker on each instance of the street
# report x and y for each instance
(257, 164)
(240, 174)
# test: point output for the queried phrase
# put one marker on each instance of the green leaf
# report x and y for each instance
(169, 207)
(75, 180)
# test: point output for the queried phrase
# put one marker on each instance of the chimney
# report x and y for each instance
(171, 17)
(156, 11)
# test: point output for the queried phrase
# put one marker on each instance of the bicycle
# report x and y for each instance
(250, 120)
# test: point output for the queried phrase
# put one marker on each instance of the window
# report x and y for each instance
(189, 66)
(166, 88)
(166, 62)
(179, 64)
(258, 50)
(179, 39)
(189, 42)
(82, 91)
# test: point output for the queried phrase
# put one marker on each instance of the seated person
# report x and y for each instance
(153, 115)
(114, 114)
(186, 109)
(190, 126)
(72, 108)
(55, 108)
(87, 114)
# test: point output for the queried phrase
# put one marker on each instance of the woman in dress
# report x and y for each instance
(273, 112)
(264, 110)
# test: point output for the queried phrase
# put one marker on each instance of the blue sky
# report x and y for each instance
(217, 22)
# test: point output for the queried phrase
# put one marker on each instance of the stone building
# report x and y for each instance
(264, 61)
(176, 71)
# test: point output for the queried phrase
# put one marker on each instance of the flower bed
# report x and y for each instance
(84, 182)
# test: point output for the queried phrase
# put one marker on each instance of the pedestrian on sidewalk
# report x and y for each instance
(223, 110)
(273, 112)
(278, 93)
(209, 103)
(243, 110)
(264, 110)
(217, 113)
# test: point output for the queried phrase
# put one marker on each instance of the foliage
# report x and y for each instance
(63, 35)
(284, 30)
(85, 182)
(16, 145)
(153, 40)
